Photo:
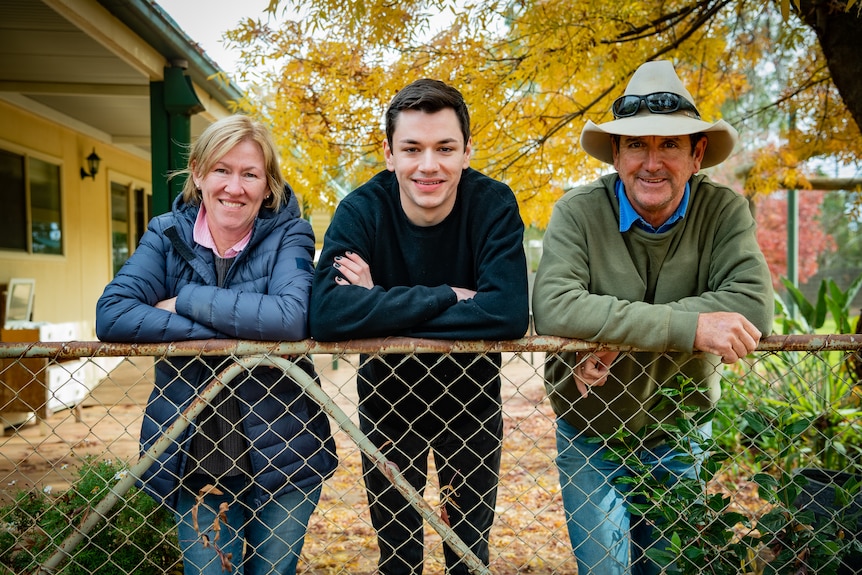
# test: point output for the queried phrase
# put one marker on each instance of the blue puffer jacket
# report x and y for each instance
(265, 297)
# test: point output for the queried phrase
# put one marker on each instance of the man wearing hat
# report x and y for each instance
(658, 258)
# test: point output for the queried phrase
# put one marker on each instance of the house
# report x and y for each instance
(97, 99)
(114, 78)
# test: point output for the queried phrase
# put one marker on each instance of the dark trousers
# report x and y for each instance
(468, 468)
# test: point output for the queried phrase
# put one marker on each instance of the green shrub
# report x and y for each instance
(732, 434)
(139, 537)
(809, 409)
(704, 533)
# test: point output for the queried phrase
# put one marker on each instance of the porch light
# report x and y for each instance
(93, 164)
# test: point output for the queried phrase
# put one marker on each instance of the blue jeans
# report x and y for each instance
(606, 538)
(261, 540)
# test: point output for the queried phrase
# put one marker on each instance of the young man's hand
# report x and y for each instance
(463, 293)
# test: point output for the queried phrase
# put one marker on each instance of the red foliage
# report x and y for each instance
(772, 233)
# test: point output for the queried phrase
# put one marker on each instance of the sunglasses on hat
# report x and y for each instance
(657, 103)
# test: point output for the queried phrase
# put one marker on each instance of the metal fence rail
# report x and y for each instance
(72, 413)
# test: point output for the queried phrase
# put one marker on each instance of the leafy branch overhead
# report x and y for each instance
(534, 71)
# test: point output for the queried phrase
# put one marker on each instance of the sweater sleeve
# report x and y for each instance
(500, 308)
(498, 311)
(125, 312)
(353, 312)
(739, 278)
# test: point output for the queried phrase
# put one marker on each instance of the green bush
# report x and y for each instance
(703, 533)
(808, 412)
(139, 537)
(732, 434)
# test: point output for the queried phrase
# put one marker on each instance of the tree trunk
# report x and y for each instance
(840, 35)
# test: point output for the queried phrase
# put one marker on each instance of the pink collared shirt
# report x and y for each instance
(204, 237)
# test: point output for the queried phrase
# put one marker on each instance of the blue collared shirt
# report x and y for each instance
(629, 217)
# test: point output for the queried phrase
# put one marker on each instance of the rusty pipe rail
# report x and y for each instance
(82, 349)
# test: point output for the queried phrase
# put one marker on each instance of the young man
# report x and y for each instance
(427, 248)
(654, 257)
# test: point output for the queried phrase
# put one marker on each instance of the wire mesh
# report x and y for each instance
(72, 415)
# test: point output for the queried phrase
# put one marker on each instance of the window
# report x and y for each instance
(121, 248)
(130, 209)
(13, 219)
(31, 218)
(45, 207)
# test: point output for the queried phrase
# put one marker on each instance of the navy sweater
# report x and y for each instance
(478, 246)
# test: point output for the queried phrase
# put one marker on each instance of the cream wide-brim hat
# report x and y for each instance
(659, 76)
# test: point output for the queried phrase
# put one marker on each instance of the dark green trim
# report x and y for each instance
(172, 104)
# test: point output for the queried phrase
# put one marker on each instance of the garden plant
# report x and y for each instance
(138, 538)
(787, 420)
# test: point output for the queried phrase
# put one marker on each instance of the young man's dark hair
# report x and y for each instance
(429, 96)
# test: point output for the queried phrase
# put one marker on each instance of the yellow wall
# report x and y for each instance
(68, 286)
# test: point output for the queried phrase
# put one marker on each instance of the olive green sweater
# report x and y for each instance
(645, 291)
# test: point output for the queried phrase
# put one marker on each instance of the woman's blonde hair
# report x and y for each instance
(221, 137)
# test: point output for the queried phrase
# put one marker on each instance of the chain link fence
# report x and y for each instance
(72, 414)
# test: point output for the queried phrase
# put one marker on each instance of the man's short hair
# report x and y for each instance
(428, 96)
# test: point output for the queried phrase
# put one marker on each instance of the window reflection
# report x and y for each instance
(45, 207)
